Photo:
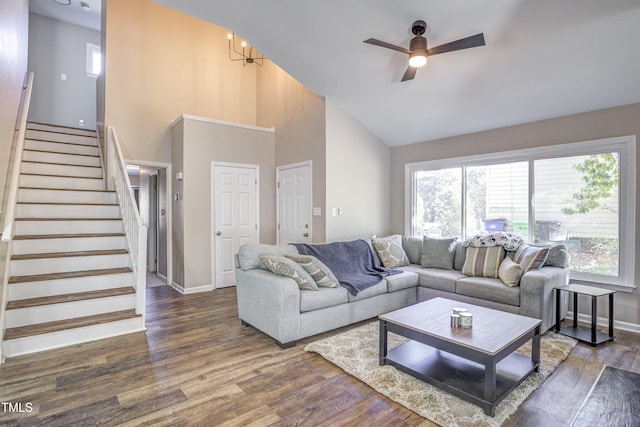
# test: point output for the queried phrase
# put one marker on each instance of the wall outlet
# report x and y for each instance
(63, 76)
(317, 211)
(81, 123)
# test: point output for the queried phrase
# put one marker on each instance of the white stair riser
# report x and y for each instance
(66, 211)
(55, 169)
(68, 310)
(61, 137)
(70, 244)
(61, 147)
(61, 182)
(51, 128)
(56, 147)
(66, 196)
(25, 267)
(61, 158)
(67, 227)
(46, 288)
(68, 337)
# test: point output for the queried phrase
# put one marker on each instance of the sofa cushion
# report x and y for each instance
(531, 257)
(288, 268)
(323, 298)
(510, 272)
(488, 289)
(404, 280)
(438, 253)
(558, 256)
(436, 278)
(249, 255)
(390, 251)
(413, 248)
(316, 269)
(377, 289)
(460, 256)
(483, 262)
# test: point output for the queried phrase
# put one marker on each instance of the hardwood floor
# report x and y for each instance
(197, 365)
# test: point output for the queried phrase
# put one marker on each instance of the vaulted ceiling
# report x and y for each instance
(542, 59)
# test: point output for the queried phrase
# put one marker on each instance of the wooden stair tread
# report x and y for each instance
(73, 297)
(64, 236)
(61, 325)
(58, 152)
(68, 275)
(60, 164)
(65, 189)
(68, 219)
(59, 176)
(69, 254)
(68, 203)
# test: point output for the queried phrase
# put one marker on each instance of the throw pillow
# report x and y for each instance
(531, 257)
(390, 251)
(483, 262)
(438, 253)
(319, 272)
(288, 268)
(510, 272)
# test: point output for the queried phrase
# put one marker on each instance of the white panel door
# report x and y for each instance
(235, 217)
(294, 204)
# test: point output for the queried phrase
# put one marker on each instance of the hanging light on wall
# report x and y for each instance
(246, 55)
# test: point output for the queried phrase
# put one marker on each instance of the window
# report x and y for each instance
(580, 194)
(94, 60)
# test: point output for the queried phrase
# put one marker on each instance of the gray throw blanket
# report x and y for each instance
(353, 263)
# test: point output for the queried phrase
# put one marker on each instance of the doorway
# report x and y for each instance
(154, 194)
(294, 203)
(234, 216)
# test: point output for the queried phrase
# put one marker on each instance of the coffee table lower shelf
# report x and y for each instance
(457, 375)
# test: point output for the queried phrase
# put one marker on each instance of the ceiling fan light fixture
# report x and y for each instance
(418, 59)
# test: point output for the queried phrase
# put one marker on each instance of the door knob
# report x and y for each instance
(219, 233)
(306, 234)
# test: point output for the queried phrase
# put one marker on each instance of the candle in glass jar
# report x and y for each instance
(466, 320)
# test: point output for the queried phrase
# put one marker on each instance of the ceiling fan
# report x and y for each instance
(418, 51)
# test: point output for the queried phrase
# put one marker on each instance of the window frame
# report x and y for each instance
(624, 145)
(91, 49)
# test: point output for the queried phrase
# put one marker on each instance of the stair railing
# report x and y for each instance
(118, 180)
(16, 154)
(11, 194)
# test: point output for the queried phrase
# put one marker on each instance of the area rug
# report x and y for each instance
(356, 352)
(614, 400)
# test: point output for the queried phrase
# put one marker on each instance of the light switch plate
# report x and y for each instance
(317, 211)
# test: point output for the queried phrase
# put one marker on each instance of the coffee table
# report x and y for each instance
(477, 364)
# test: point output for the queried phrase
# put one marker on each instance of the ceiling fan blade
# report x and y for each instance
(465, 43)
(409, 74)
(387, 45)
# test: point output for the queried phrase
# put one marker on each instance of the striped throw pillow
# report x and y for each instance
(319, 272)
(531, 257)
(483, 262)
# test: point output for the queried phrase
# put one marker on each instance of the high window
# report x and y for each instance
(580, 194)
(94, 60)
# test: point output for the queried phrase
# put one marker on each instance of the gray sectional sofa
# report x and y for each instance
(275, 304)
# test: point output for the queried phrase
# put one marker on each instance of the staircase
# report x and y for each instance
(71, 276)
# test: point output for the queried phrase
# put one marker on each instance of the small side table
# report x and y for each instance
(592, 336)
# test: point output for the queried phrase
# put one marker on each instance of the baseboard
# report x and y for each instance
(187, 291)
(604, 322)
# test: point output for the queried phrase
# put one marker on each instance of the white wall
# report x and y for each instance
(56, 48)
(357, 177)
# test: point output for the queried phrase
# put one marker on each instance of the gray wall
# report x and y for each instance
(600, 124)
(197, 143)
(357, 177)
(56, 47)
